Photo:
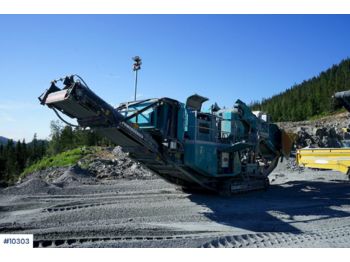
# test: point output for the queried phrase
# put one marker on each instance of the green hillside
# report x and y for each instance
(309, 99)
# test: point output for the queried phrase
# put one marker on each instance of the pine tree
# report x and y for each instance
(11, 166)
(309, 98)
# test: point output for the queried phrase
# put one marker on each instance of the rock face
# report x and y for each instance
(319, 137)
(329, 131)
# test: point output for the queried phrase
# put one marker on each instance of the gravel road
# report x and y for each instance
(307, 209)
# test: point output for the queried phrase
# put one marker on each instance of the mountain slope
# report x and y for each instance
(311, 98)
(3, 140)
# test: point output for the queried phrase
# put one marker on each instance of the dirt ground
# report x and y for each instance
(307, 209)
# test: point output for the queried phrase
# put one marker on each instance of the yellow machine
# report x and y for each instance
(325, 158)
(329, 158)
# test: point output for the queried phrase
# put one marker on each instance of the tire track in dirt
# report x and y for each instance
(283, 239)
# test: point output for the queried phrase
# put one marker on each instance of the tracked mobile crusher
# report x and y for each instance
(222, 150)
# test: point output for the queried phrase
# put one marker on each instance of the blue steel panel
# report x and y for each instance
(202, 157)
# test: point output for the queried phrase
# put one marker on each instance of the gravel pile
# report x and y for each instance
(291, 164)
(74, 176)
(116, 165)
(31, 187)
(48, 175)
(107, 164)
